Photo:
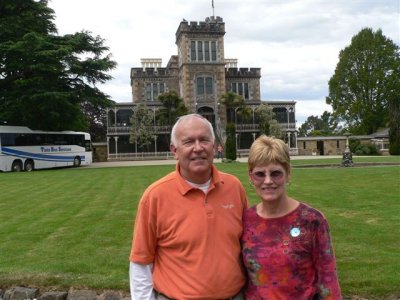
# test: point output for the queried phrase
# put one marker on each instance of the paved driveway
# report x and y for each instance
(129, 163)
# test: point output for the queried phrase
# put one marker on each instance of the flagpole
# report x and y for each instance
(212, 4)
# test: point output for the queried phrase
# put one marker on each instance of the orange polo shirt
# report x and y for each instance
(192, 239)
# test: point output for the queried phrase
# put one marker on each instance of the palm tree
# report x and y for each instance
(245, 113)
(231, 101)
(173, 107)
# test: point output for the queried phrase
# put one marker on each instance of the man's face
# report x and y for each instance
(194, 150)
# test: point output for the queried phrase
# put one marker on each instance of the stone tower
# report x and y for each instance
(201, 64)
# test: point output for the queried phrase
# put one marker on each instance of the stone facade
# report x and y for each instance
(321, 145)
(336, 145)
(99, 152)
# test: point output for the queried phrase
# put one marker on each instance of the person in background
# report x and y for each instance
(220, 149)
(186, 241)
(286, 244)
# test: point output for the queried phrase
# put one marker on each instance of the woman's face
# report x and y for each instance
(269, 181)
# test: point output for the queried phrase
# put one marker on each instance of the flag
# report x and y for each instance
(212, 3)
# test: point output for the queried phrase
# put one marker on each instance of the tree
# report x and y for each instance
(394, 126)
(231, 101)
(96, 118)
(394, 117)
(244, 113)
(46, 79)
(172, 108)
(366, 77)
(267, 122)
(317, 126)
(230, 146)
(142, 129)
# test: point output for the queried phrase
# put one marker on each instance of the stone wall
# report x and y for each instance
(99, 152)
(25, 293)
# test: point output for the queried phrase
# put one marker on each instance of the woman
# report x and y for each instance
(287, 248)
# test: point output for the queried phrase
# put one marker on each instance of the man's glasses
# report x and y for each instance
(259, 176)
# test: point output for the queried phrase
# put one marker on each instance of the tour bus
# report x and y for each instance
(24, 149)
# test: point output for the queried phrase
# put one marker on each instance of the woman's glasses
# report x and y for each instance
(259, 176)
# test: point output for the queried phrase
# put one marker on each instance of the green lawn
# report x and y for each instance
(73, 227)
(338, 160)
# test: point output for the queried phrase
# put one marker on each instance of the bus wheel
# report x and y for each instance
(16, 166)
(77, 161)
(29, 166)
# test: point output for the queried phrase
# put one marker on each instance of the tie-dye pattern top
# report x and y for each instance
(290, 257)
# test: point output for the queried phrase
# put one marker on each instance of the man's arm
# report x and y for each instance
(141, 281)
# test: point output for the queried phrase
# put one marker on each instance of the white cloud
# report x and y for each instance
(307, 107)
(295, 43)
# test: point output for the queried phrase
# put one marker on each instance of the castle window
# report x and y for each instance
(213, 51)
(209, 86)
(152, 90)
(193, 51)
(204, 85)
(148, 92)
(200, 85)
(241, 88)
(200, 51)
(203, 51)
(155, 91)
(207, 51)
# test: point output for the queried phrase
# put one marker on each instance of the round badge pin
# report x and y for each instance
(295, 232)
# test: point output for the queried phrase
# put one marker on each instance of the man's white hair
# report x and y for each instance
(185, 118)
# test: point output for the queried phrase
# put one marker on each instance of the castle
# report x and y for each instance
(200, 74)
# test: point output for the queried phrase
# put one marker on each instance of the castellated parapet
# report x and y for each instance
(243, 72)
(211, 25)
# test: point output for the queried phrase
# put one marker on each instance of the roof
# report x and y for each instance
(382, 133)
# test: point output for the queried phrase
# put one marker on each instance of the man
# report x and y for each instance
(186, 242)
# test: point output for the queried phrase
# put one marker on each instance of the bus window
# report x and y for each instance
(88, 146)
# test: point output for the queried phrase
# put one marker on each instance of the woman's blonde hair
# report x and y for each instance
(266, 150)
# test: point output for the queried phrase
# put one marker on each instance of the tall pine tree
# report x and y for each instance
(45, 79)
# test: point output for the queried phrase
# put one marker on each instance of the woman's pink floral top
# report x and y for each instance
(289, 257)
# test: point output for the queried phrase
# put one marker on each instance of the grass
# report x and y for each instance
(338, 160)
(73, 227)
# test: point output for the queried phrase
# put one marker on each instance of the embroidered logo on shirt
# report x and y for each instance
(227, 206)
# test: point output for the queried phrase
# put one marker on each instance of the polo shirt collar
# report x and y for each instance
(185, 187)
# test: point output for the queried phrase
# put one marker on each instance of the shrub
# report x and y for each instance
(230, 146)
(394, 141)
(364, 149)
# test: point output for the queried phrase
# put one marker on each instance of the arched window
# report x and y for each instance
(207, 113)
(280, 114)
(124, 117)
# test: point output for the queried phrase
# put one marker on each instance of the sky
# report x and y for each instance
(296, 43)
